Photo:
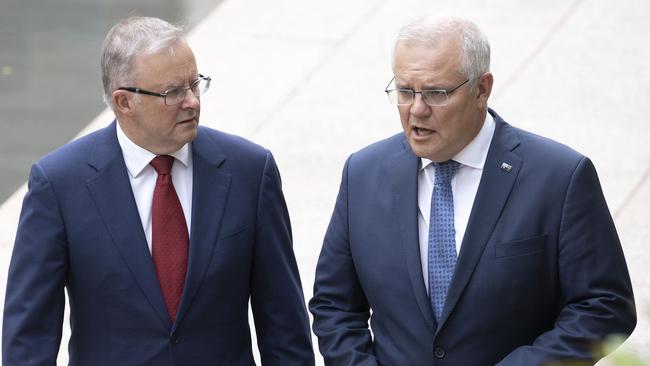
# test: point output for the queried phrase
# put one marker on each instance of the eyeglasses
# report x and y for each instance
(176, 96)
(433, 97)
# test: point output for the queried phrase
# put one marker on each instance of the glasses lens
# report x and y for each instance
(201, 86)
(405, 96)
(175, 96)
(435, 98)
(400, 96)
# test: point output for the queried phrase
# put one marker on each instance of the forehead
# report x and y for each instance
(169, 66)
(422, 62)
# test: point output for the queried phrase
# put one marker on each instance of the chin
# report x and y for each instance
(189, 128)
(427, 154)
(192, 135)
(421, 153)
(187, 136)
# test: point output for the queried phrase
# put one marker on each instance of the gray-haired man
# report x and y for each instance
(160, 230)
(465, 240)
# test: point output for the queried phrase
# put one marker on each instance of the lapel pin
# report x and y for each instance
(506, 167)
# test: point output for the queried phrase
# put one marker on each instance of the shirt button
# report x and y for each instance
(439, 352)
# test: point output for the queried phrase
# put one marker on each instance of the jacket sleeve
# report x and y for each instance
(35, 299)
(596, 293)
(277, 300)
(339, 306)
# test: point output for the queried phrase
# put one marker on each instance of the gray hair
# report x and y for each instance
(435, 29)
(126, 40)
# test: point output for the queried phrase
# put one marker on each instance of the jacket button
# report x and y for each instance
(439, 352)
(174, 340)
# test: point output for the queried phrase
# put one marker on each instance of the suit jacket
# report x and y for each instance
(79, 229)
(540, 275)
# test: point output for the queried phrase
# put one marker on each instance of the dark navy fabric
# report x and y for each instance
(540, 275)
(79, 230)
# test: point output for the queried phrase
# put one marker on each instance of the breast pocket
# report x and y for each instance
(230, 233)
(520, 247)
(236, 244)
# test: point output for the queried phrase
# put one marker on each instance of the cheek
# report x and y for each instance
(450, 121)
(167, 119)
(460, 132)
(404, 115)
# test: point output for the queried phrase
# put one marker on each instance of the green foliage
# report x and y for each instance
(623, 356)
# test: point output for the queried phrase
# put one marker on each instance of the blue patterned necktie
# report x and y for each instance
(442, 236)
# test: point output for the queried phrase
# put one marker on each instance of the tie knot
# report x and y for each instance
(446, 170)
(162, 164)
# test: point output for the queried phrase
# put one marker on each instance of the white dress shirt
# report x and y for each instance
(464, 186)
(143, 179)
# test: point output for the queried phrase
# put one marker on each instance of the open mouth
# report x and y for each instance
(419, 131)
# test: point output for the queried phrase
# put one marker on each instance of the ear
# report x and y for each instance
(484, 88)
(123, 102)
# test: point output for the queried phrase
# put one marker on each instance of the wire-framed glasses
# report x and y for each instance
(176, 96)
(433, 97)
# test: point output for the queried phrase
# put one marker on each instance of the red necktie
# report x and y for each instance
(170, 239)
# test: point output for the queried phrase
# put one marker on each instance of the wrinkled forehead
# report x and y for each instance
(426, 61)
(445, 43)
(179, 50)
(168, 66)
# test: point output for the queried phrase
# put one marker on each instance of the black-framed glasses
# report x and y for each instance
(176, 96)
(433, 97)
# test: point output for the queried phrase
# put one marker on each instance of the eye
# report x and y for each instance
(195, 86)
(435, 97)
(404, 96)
(174, 93)
(434, 93)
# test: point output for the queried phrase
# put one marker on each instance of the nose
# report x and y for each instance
(419, 108)
(191, 101)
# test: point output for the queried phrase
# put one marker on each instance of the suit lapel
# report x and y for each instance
(403, 170)
(209, 195)
(494, 189)
(112, 193)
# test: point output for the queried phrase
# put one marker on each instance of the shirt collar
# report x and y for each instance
(475, 153)
(137, 158)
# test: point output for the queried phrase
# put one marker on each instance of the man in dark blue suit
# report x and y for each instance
(160, 230)
(465, 240)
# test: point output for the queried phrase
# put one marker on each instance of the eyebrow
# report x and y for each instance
(425, 88)
(399, 85)
(174, 85)
(169, 87)
(436, 88)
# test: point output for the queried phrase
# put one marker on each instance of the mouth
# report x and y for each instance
(189, 120)
(422, 132)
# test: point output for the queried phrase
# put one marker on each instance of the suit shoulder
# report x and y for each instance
(546, 149)
(71, 155)
(231, 143)
(241, 155)
(381, 149)
(528, 145)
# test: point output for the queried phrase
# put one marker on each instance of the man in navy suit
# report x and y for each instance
(160, 230)
(465, 240)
